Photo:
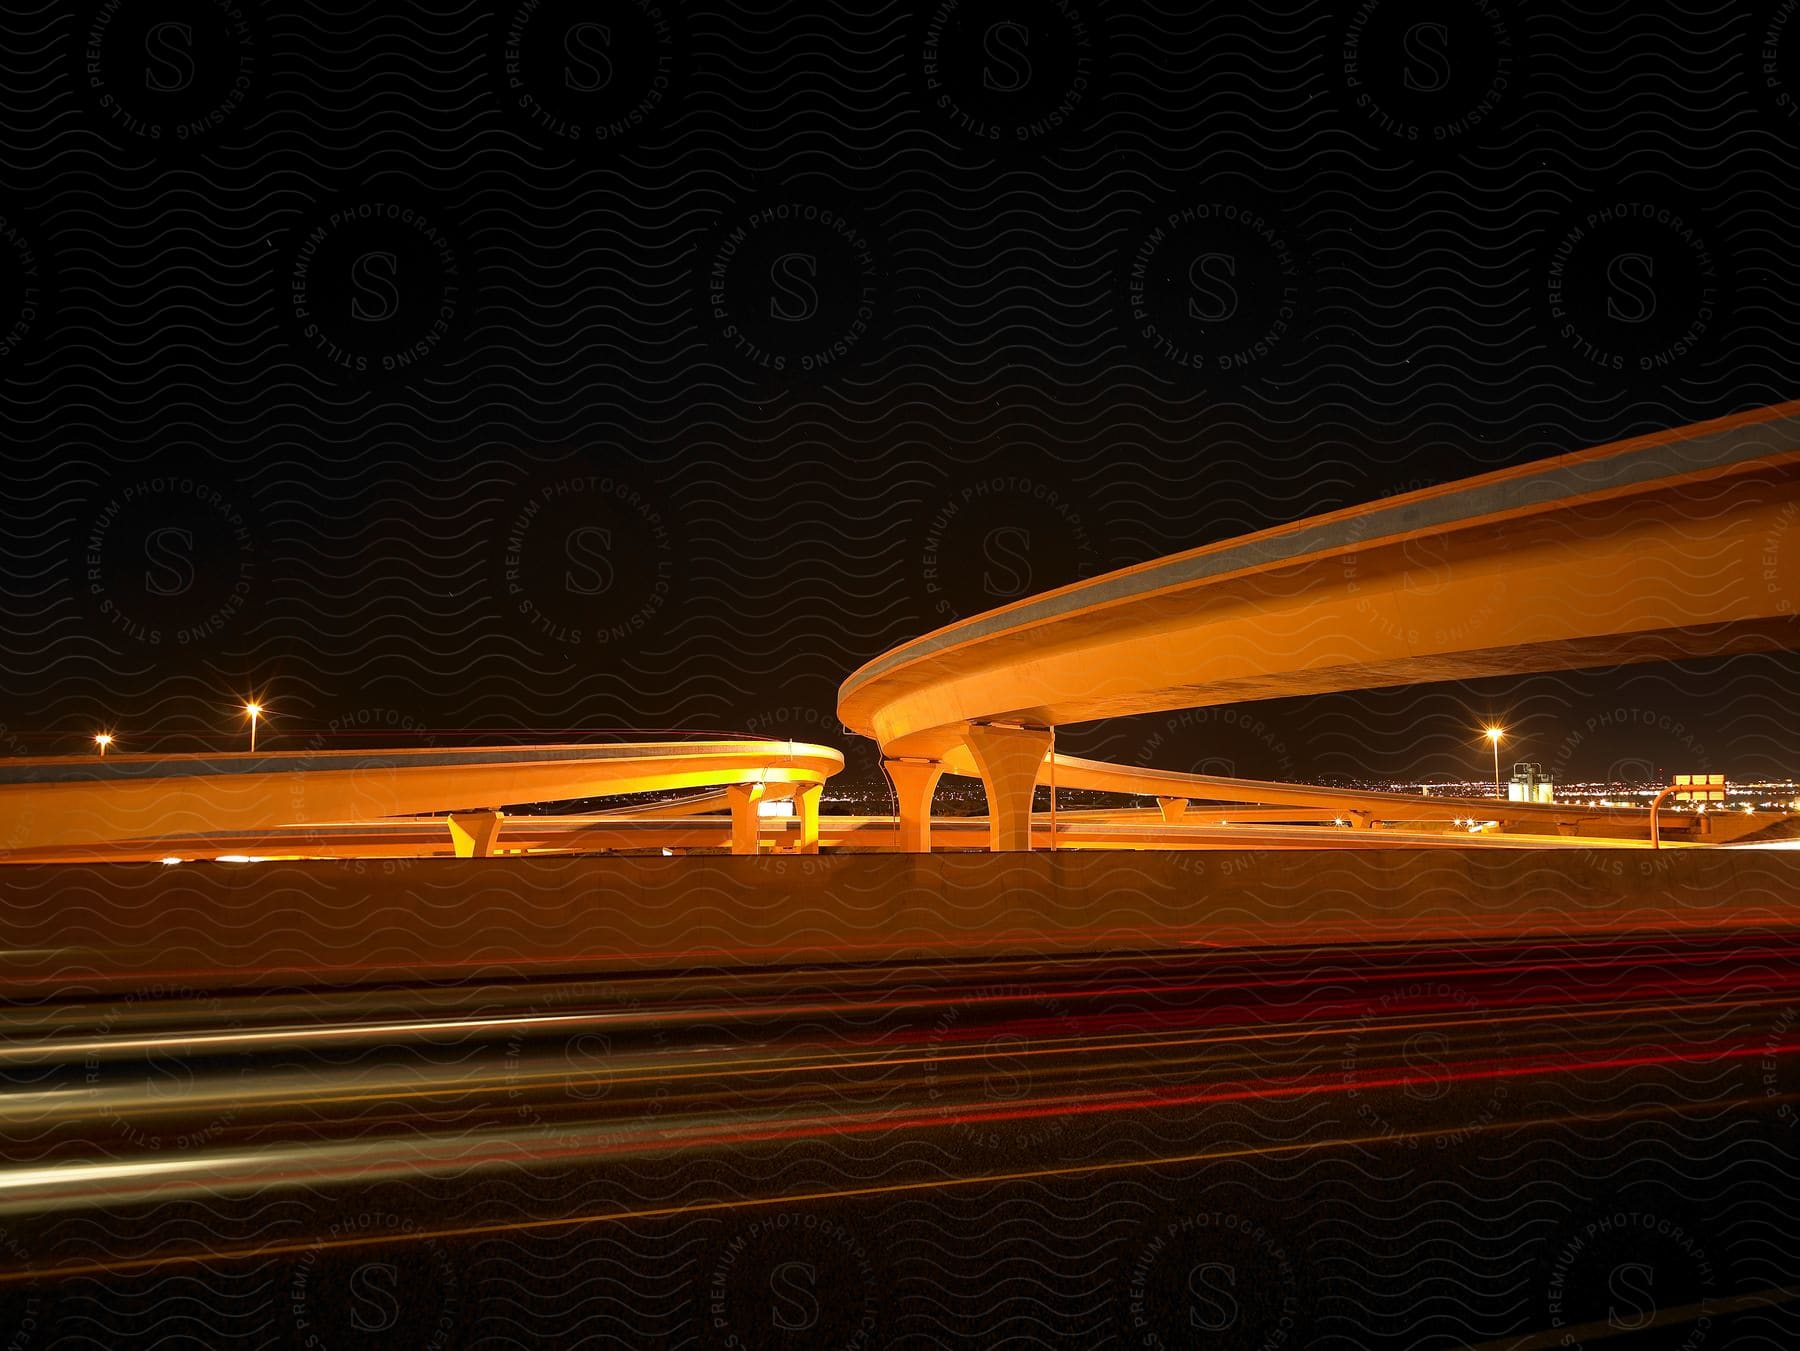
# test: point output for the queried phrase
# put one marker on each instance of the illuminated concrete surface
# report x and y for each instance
(1655, 548)
(689, 804)
(1367, 807)
(209, 925)
(551, 835)
(1195, 816)
(89, 800)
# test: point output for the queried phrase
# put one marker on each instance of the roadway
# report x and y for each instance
(1364, 807)
(427, 837)
(1509, 1090)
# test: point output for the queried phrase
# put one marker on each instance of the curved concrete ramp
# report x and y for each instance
(92, 800)
(1359, 806)
(1683, 543)
(693, 804)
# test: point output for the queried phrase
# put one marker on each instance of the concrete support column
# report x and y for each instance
(1173, 809)
(915, 781)
(472, 834)
(806, 807)
(1010, 759)
(746, 829)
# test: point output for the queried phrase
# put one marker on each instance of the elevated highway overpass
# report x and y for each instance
(1682, 543)
(1678, 544)
(74, 802)
(1361, 807)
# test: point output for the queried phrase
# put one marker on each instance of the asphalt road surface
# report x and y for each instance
(1506, 1144)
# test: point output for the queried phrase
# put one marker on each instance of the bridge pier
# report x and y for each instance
(1173, 809)
(806, 807)
(915, 782)
(745, 799)
(472, 834)
(1010, 760)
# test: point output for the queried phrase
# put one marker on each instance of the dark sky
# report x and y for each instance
(571, 366)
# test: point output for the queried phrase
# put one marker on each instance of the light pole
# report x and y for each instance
(255, 712)
(103, 740)
(1493, 735)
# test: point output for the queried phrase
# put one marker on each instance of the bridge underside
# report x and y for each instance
(1677, 571)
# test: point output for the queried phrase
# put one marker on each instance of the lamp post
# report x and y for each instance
(1493, 735)
(255, 712)
(103, 740)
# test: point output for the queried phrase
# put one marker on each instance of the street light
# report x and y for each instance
(255, 712)
(103, 740)
(1493, 735)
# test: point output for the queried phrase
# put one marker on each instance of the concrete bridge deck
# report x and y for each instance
(69, 801)
(1683, 543)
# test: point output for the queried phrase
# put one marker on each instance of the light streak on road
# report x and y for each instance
(791, 1199)
(309, 1093)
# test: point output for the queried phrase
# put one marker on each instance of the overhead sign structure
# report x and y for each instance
(1699, 787)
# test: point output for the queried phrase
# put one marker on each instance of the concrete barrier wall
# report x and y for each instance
(68, 930)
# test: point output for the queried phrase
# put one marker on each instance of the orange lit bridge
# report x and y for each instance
(49, 805)
(1679, 544)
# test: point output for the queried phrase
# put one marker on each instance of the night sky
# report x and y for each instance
(558, 367)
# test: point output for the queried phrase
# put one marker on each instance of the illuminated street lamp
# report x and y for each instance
(1493, 735)
(103, 740)
(255, 712)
